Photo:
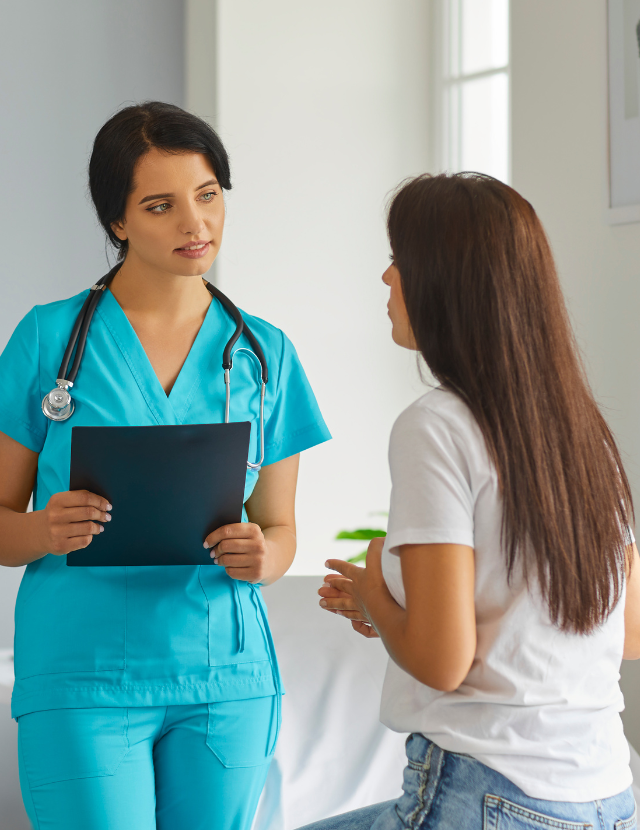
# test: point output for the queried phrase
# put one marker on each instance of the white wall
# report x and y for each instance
(559, 100)
(323, 108)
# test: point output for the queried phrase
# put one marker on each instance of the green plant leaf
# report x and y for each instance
(359, 558)
(362, 534)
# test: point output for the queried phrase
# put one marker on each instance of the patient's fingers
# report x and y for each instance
(338, 583)
(327, 591)
(331, 578)
(351, 615)
(364, 628)
(339, 604)
(348, 569)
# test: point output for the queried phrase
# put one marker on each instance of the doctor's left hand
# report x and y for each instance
(242, 551)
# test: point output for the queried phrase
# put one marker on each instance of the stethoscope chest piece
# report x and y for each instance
(58, 405)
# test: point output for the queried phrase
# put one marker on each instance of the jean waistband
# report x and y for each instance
(433, 772)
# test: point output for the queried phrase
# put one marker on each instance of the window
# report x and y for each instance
(472, 86)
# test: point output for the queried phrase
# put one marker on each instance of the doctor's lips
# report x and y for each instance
(193, 250)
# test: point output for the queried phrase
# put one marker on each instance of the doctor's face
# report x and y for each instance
(401, 331)
(174, 215)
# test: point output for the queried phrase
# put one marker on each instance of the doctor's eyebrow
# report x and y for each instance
(171, 195)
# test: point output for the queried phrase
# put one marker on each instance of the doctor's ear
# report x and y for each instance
(118, 229)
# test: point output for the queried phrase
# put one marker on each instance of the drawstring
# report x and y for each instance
(274, 668)
(239, 616)
(273, 660)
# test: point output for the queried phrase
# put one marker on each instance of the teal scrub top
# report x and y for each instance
(142, 636)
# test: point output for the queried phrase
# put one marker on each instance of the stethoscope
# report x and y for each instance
(58, 405)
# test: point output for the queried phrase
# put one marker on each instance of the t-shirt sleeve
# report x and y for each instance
(21, 415)
(295, 422)
(431, 497)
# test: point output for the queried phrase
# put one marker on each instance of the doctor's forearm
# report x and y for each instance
(281, 545)
(20, 537)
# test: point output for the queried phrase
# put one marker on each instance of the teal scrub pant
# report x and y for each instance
(166, 767)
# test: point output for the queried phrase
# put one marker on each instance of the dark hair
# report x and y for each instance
(128, 136)
(487, 313)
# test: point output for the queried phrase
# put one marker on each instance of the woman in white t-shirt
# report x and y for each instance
(507, 591)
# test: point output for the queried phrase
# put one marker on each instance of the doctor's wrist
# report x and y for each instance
(38, 536)
(20, 536)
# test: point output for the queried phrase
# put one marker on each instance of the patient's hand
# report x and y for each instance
(365, 629)
(346, 592)
(347, 607)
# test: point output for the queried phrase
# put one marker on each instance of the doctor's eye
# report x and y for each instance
(159, 208)
(208, 197)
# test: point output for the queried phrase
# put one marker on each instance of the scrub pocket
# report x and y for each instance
(240, 732)
(236, 634)
(67, 744)
(501, 813)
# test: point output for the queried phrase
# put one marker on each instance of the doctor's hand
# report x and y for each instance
(71, 520)
(347, 592)
(242, 551)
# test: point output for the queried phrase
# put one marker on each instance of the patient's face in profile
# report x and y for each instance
(401, 328)
(174, 215)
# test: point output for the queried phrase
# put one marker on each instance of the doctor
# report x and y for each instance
(147, 696)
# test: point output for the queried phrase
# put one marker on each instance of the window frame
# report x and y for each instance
(446, 130)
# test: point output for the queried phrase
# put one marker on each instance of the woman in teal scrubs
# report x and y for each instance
(147, 696)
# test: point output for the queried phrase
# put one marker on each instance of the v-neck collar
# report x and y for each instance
(166, 409)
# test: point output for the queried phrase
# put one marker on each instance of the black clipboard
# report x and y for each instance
(170, 486)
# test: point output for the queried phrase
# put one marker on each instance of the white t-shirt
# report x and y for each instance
(539, 705)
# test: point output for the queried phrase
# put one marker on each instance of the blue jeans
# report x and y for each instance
(447, 791)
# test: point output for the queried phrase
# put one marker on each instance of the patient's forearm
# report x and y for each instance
(436, 639)
(390, 621)
(424, 656)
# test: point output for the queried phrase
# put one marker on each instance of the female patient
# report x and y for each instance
(507, 591)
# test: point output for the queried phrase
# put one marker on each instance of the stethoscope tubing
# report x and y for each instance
(227, 363)
(58, 404)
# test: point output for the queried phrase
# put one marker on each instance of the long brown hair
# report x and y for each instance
(489, 318)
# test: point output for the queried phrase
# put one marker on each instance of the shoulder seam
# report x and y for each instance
(451, 427)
